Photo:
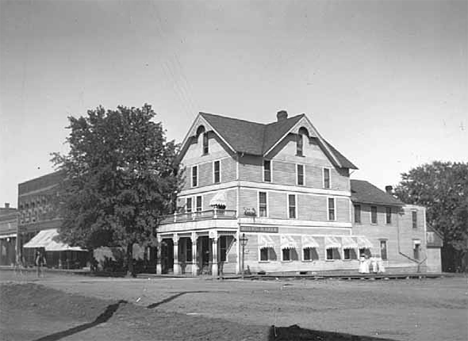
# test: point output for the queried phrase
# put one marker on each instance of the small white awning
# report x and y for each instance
(45, 239)
(5, 236)
(332, 243)
(309, 242)
(348, 243)
(219, 199)
(288, 242)
(364, 243)
(265, 241)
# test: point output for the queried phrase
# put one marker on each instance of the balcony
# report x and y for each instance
(199, 215)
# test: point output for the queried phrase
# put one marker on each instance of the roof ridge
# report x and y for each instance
(231, 118)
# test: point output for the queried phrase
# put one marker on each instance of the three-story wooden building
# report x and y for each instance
(288, 191)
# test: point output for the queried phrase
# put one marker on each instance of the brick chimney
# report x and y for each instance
(282, 115)
(389, 189)
(7, 205)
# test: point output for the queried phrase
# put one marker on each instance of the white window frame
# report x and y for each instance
(334, 209)
(191, 204)
(201, 203)
(214, 171)
(271, 171)
(303, 174)
(295, 205)
(329, 177)
(205, 133)
(414, 213)
(258, 204)
(191, 176)
(386, 215)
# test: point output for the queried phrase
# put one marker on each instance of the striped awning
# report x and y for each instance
(265, 241)
(348, 243)
(45, 239)
(288, 242)
(332, 243)
(219, 200)
(309, 242)
(364, 243)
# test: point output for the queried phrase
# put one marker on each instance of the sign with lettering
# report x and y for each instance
(261, 229)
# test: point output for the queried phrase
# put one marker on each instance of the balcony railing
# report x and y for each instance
(199, 215)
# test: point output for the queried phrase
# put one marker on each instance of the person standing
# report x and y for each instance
(363, 264)
(40, 262)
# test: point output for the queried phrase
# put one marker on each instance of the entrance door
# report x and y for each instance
(167, 256)
(205, 254)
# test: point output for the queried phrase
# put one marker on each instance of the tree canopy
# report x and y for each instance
(121, 175)
(442, 187)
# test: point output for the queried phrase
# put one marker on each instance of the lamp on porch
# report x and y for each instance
(243, 242)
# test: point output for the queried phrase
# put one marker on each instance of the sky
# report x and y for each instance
(385, 82)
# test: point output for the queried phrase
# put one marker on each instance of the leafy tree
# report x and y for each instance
(121, 175)
(443, 188)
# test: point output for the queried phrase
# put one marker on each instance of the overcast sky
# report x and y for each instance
(385, 82)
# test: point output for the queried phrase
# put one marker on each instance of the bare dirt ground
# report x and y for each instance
(67, 307)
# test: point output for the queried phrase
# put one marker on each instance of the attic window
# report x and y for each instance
(300, 141)
(205, 144)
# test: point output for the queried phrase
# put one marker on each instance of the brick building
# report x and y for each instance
(39, 221)
(288, 191)
(8, 225)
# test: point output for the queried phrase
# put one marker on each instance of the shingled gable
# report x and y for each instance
(366, 193)
(257, 139)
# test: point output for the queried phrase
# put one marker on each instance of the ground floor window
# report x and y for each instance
(310, 254)
(416, 249)
(267, 254)
(349, 254)
(333, 253)
(289, 254)
(364, 252)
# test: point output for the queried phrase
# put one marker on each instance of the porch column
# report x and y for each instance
(194, 238)
(158, 256)
(238, 247)
(214, 249)
(175, 239)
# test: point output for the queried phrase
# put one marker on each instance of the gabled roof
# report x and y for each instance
(257, 138)
(366, 193)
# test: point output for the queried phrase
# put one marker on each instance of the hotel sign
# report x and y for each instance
(262, 229)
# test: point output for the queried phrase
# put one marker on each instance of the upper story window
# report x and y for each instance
(357, 214)
(262, 204)
(292, 206)
(374, 214)
(388, 215)
(326, 178)
(302, 134)
(217, 172)
(199, 207)
(414, 218)
(331, 209)
(267, 170)
(188, 205)
(194, 176)
(206, 148)
(300, 175)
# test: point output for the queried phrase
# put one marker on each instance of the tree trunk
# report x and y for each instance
(130, 270)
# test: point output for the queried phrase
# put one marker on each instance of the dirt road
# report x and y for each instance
(176, 309)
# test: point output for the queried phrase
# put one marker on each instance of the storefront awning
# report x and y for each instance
(5, 236)
(45, 239)
(364, 243)
(309, 242)
(348, 243)
(265, 241)
(288, 242)
(332, 243)
(219, 200)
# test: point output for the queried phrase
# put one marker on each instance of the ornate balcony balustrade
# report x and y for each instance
(199, 215)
